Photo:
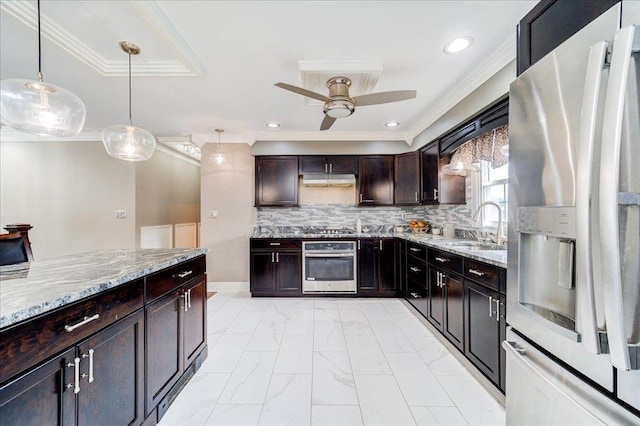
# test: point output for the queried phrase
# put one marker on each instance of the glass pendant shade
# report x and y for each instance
(218, 157)
(126, 142)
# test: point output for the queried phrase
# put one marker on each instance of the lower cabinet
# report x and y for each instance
(446, 297)
(97, 382)
(378, 267)
(276, 270)
(176, 330)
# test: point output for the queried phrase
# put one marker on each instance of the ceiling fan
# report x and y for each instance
(339, 104)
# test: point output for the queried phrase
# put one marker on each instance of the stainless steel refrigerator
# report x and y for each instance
(573, 295)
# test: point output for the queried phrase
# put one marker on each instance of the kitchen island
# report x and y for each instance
(105, 337)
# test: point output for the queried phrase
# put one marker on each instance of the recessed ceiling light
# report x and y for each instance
(391, 124)
(273, 125)
(458, 45)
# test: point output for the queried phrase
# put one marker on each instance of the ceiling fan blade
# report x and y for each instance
(384, 97)
(327, 122)
(303, 92)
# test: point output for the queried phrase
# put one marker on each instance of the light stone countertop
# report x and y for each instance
(32, 288)
(492, 257)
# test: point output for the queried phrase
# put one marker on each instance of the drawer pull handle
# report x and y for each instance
(85, 320)
(476, 272)
(414, 269)
(274, 244)
(443, 259)
(414, 249)
(183, 274)
(90, 356)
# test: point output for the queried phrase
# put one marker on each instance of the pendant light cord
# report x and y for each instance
(130, 122)
(39, 47)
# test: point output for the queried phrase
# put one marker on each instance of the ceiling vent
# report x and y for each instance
(315, 74)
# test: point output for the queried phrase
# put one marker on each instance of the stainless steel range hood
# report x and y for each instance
(321, 179)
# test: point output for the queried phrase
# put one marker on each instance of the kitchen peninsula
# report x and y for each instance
(105, 337)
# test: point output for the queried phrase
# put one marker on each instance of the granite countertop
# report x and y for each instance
(492, 257)
(32, 288)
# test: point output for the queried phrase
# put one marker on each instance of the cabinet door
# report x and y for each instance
(195, 320)
(111, 369)
(453, 326)
(483, 330)
(313, 164)
(418, 294)
(163, 357)
(387, 266)
(429, 161)
(367, 270)
(262, 273)
(41, 396)
(436, 299)
(407, 178)
(277, 181)
(288, 277)
(343, 164)
(375, 180)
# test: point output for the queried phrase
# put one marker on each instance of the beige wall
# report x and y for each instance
(167, 192)
(69, 192)
(229, 190)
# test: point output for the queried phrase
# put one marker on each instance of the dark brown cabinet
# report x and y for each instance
(276, 181)
(550, 23)
(375, 180)
(176, 333)
(276, 267)
(337, 164)
(407, 178)
(429, 159)
(99, 381)
(377, 267)
(485, 324)
(446, 295)
(417, 278)
(453, 327)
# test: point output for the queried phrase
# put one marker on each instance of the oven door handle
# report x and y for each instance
(329, 255)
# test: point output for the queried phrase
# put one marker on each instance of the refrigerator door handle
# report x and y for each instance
(586, 200)
(609, 187)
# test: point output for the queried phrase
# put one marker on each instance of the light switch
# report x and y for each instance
(213, 214)
(121, 214)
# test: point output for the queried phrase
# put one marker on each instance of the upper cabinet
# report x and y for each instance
(550, 23)
(375, 180)
(429, 159)
(277, 181)
(337, 164)
(407, 178)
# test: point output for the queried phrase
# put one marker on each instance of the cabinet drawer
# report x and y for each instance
(417, 250)
(276, 244)
(168, 279)
(417, 271)
(482, 273)
(36, 340)
(447, 261)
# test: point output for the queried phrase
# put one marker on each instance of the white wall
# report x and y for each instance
(229, 190)
(69, 192)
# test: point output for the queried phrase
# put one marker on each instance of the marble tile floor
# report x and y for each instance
(327, 361)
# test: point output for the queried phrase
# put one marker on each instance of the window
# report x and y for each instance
(494, 187)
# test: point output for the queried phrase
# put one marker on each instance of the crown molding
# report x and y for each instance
(332, 136)
(8, 134)
(493, 63)
(187, 65)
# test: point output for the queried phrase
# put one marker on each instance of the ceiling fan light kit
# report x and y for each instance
(340, 105)
(127, 142)
(40, 108)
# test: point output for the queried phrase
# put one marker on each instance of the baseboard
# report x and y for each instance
(228, 286)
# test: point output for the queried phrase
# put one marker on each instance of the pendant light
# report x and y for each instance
(125, 141)
(38, 107)
(219, 156)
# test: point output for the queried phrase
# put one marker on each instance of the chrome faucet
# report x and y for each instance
(499, 232)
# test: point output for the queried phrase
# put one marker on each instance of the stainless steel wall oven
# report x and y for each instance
(329, 267)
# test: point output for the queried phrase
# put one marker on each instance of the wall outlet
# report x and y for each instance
(272, 216)
(404, 215)
(213, 214)
(121, 214)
